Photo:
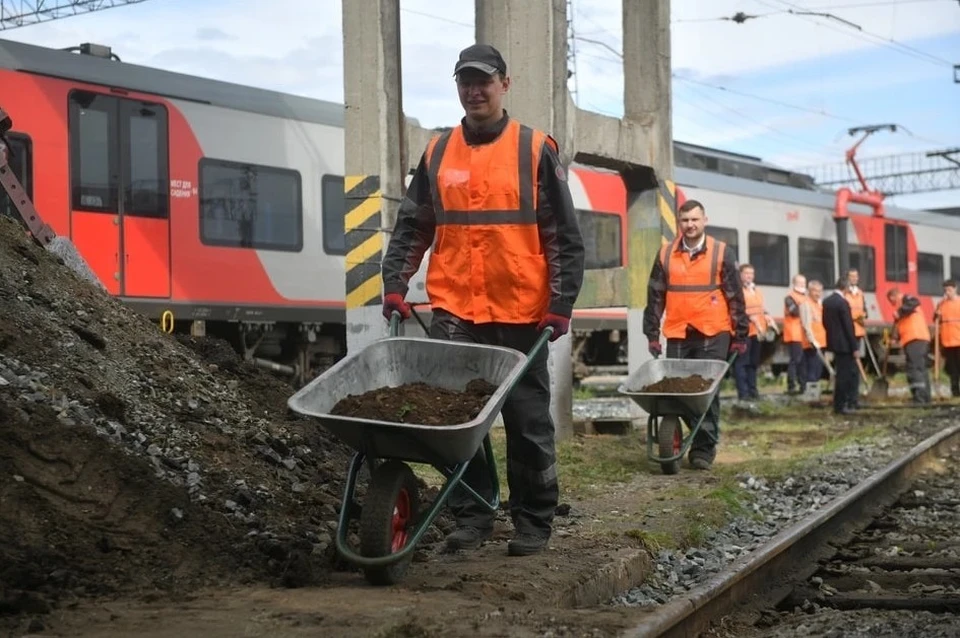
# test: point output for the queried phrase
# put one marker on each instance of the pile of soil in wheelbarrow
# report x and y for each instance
(419, 403)
(679, 385)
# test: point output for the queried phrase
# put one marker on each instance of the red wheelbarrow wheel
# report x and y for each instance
(389, 511)
(670, 441)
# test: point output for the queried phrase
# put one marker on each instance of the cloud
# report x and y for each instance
(212, 33)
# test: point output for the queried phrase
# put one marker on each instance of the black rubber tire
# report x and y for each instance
(669, 439)
(389, 510)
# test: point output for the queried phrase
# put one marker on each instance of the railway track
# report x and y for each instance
(883, 560)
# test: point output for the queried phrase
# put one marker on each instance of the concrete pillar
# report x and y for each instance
(647, 102)
(523, 31)
(373, 145)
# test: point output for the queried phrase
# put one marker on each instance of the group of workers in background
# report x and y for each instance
(713, 309)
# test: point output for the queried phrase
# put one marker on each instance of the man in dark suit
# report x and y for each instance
(842, 342)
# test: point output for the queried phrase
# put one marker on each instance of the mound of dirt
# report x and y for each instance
(132, 460)
(680, 385)
(418, 403)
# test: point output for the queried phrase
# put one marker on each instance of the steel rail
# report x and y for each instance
(766, 575)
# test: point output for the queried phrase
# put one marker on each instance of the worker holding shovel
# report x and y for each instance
(947, 318)
(914, 336)
(814, 336)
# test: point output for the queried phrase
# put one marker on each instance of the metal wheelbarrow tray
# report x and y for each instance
(666, 409)
(390, 523)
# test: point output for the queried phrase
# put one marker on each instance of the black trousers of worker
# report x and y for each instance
(951, 357)
(531, 452)
(813, 366)
(699, 346)
(847, 388)
(917, 374)
(745, 370)
(796, 368)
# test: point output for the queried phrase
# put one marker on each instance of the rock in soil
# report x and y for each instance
(133, 461)
(418, 403)
(679, 385)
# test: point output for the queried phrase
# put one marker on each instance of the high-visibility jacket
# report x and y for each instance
(754, 303)
(488, 264)
(949, 311)
(857, 310)
(792, 328)
(694, 294)
(913, 327)
(816, 325)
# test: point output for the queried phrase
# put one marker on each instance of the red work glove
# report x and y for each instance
(739, 346)
(394, 301)
(559, 324)
(655, 348)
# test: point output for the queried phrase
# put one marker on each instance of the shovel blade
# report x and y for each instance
(880, 389)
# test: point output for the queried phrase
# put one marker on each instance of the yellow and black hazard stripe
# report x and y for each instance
(364, 240)
(667, 204)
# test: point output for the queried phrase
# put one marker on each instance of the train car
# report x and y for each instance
(223, 204)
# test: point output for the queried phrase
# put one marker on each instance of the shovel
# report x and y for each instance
(881, 387)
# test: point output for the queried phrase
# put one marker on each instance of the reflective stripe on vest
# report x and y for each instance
(816, 325)
(856, 311)
(754, 303)
(487, 262)
(792, 328)
(694, 293)
(949, 310)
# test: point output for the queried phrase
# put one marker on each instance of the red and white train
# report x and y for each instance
(224, 204)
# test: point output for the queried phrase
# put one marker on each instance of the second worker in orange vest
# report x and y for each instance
(913, 333)
(948, 315)
(695, 289)
(814, 335)
(490, 197)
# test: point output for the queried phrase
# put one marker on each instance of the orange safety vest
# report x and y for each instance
(913, 327)
(792, 328)
(857, 310)
(487, 263)
(816, 325)
(694, 293)
(754, 301)
(949, 310)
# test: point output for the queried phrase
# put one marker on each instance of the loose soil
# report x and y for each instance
(418, 403)
(679, 385)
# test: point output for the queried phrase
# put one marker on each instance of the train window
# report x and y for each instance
(250, 206)
(895, 244)
(817, 261)
(94, 164)
(601, 239)
(930, 274)
(147, 177)
(334, 209)
(770, 257)
(864, 260)
(728, 235)
(21, 163)
(955, 268)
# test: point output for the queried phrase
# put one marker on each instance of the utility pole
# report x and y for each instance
(373, 156)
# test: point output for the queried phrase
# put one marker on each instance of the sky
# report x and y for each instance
(783, 85)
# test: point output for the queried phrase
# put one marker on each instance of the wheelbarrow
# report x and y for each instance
(391, 525)
(666, 409)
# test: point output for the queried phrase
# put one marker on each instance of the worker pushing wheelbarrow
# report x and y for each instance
(391, 524)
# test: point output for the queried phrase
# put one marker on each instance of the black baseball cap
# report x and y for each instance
(482, 57)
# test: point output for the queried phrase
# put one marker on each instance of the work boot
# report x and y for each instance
(466, 537)
(526, 544)
(700, 463)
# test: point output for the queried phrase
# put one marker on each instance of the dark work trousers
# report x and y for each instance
(951, 357)
(813, 365)
(698, 346)
(847, 388)
(745, 370)
(917, 374)
(531, 454)
(796, 370)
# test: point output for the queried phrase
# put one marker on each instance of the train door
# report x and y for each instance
(120, 212)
